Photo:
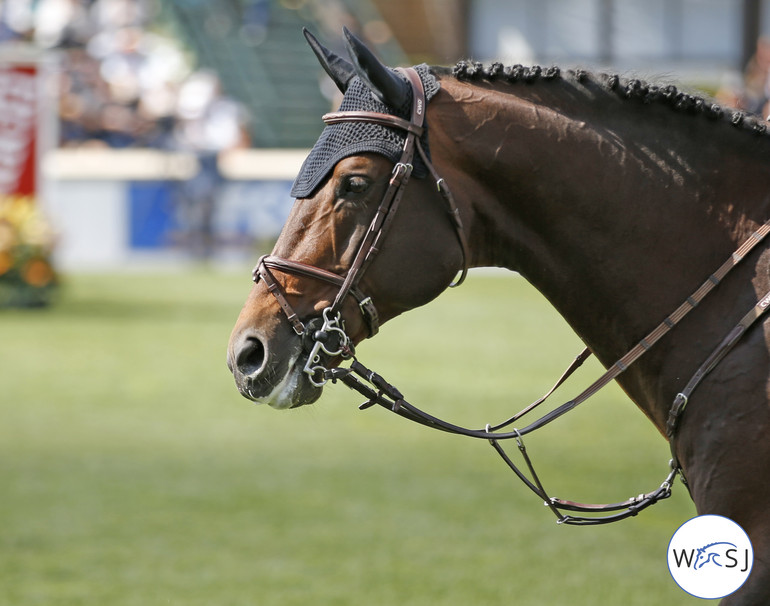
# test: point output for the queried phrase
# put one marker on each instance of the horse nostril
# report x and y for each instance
(251, 357)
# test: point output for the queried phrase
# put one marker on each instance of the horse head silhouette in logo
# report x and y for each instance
(711, 553)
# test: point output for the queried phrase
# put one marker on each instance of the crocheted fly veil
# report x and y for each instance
(338, 141)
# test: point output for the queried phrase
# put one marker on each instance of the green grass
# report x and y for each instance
(132, 473)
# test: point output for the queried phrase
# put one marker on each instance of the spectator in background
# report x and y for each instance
(124, 86)
(207, 124)
(57, 21)
(141, 72)
(82, 94)
(15, 20)
(756, 80)
(751, 91)
(118, 80)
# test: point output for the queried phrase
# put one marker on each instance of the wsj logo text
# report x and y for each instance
(710, 556)
(722, 554)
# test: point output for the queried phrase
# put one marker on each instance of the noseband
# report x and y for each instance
(331, 325)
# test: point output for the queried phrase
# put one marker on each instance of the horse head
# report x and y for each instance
(333, 273)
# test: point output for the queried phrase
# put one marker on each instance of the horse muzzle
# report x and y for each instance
(271, 371)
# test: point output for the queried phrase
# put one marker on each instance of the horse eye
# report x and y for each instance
(355, 185)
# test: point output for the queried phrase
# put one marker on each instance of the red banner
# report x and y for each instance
(27, 278)
(18, 128)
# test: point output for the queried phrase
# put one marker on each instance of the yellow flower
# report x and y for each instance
(36, 232)
(16, 210)
(8, 237)
(23, 223)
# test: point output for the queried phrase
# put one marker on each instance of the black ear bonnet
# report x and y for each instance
(338, 141)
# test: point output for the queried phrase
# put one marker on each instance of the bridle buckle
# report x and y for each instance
(401, 172)
(323, 343)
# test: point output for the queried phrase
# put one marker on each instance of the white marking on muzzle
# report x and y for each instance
(282, 396)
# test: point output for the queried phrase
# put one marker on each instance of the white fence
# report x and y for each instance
(117, 209)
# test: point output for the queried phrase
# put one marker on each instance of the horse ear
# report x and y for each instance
(339, 70)
(386, 86)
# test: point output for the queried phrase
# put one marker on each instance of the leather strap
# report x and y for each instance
(370, 245)
(732, 338)
(267, 262)
(454, 215)
(386, 395)
(664, 327)
(262, 272)
(374, 118)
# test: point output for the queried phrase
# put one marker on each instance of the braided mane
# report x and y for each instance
(631, 89)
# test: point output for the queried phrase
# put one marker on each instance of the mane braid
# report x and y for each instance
(630, 89)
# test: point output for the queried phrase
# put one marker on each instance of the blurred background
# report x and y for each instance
(160, 117)
(147, 149)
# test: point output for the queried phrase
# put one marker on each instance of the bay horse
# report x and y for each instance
(615, 198)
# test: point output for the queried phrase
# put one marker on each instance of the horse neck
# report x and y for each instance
(614, 210)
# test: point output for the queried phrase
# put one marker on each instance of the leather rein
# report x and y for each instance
(326, 337)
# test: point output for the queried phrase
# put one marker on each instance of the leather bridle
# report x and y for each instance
(330, 338)
(326, 335)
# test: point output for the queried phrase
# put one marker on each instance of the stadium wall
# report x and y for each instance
(123, 209)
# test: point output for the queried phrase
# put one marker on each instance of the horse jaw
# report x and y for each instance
(292, 391)
(286, 392)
